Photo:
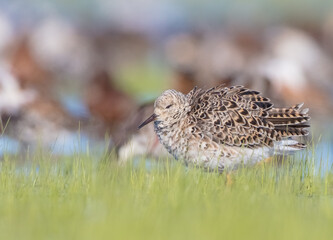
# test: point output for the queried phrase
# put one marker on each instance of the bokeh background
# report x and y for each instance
(83, 72)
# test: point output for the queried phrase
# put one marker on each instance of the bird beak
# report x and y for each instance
(148, 120)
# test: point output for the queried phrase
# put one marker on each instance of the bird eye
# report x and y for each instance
(169, 106)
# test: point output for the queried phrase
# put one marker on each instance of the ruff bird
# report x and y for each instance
(223, 127)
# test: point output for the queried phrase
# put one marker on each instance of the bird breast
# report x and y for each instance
(173, 137)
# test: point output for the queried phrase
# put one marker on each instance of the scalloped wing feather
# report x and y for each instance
(237, 116)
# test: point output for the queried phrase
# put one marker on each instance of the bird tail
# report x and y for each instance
(288, 146)
(289, 122)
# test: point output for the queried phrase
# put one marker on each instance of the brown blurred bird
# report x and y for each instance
(31, 117)
(26, 68)
(106, 102)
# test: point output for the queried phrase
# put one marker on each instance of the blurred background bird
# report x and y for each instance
(95, 67)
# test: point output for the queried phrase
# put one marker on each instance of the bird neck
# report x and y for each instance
(170, 134)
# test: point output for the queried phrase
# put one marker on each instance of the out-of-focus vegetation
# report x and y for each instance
(82, 197)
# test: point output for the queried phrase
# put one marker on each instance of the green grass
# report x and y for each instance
(81, 197)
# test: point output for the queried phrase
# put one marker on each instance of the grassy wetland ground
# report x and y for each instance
(89, 197)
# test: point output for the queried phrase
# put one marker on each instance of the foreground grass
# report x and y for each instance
(82, 198)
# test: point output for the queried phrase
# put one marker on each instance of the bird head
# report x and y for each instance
(168, 108)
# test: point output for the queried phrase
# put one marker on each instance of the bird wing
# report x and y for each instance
(234, 116)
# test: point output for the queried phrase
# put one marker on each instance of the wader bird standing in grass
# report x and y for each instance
(223, 127)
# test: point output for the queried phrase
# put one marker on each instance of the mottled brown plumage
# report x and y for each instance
(225, 126)
(238, 116)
